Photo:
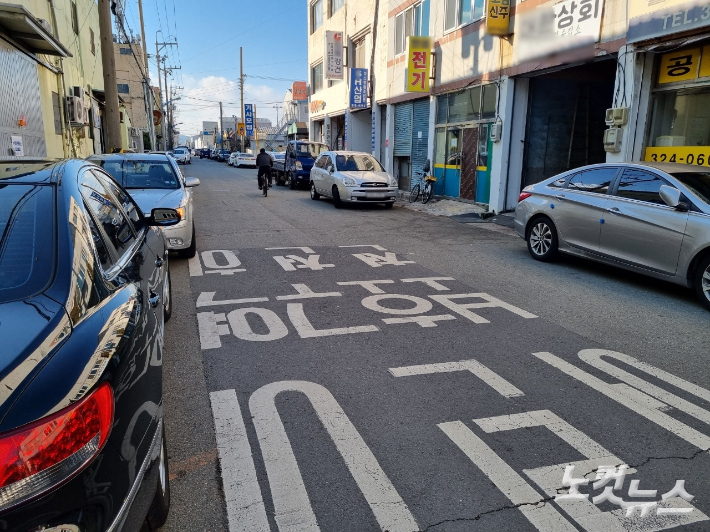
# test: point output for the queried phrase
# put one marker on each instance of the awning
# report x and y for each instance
(20, 25)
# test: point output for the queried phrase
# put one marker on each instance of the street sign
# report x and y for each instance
(419, 64)
(249, 118)
(241, 130)
(358, 88)
(333, 55)
(498, 17)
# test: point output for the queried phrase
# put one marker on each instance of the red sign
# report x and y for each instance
(299, 90)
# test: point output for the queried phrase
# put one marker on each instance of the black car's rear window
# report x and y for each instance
(698, 182)
(132, 173)
(26, 240)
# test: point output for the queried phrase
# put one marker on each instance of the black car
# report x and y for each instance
(204, 152)
(84, 292)
(223, 155)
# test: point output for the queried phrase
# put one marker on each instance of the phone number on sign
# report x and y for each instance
(698, 155)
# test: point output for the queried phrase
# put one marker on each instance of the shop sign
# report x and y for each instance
(419, 64)
(333, 55)
(345, 133)
(358, 88)
(650, 20)
(18, 146)
(498, 17)
(316, 105)
(299, 91)
(249, 118)
(374, 122)
(685, 65)
(241, 129)
(698, 155)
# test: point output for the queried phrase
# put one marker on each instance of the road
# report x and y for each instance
(374, 369)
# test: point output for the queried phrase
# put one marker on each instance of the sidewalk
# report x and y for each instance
(458, 211)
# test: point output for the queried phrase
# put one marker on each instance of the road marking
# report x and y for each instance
(431, 281)
(422, 321)
(242, 330)
(211, 329)
(377, 261)
(306, 293)
(293, 510)
(305, 250)
(194, 266)
(306, 330)
(491, 378)
(206, 299)
(291, 262)
(421, 305)
(378, 248)
(245, 506)
(370, 286)
(209, 260)
(540, 514)
(614, 392)
(488, 302)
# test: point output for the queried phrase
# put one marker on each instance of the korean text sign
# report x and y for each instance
(498, 17)
(249, 118)
(419, 64)
(685, 65)
(333, 55)
(358, 88)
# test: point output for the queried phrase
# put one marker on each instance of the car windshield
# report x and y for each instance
(224, 152)
(358, 163)
(26, 240)
(310, 150)
(180, 151)
(697, 182)
(142, 174)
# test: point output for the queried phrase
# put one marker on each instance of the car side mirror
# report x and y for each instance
(163, 218)
(673, 198)
(192, 182)
(427, 166)
(331, 169)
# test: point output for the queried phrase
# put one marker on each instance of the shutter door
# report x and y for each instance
(420, 134)
(403, 130)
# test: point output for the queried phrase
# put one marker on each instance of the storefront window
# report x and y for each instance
(489, 101)
(440, 146)
(465, 106)
(680, 119)
(453, 147)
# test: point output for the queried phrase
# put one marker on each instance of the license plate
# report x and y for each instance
(376, 195)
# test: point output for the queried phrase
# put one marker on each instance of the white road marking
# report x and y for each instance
(491, 378)
(542, 516)
(422, 321)
(306, 330)
(421, 305)
(488, 302)
(594, 357)
(209, 260)
(245, 506)
(195, 266)
(206, 299)
(378, 248)
(377, 261)
(211, 329)
(370, 286)
(242, 330)
(292, 262)
(431, 281)
(306, 293)
(305, 250)
(663, 420)
(293, 511)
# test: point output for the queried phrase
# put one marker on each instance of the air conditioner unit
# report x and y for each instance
(78, 92)
(77, 111)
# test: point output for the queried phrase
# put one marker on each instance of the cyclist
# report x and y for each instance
(264, 162)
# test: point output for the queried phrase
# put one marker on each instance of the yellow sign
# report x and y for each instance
(241, 129)
(698, 155)
(705, 63)
(498, 17)
(679, 66)
(419, 63)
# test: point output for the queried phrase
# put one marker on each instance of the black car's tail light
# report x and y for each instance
(37, 457)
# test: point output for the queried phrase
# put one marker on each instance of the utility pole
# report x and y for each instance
(164, 94)
(241, 96)
(147, 92)
(112, 117)
(276, 106)
(167, 104)
(221, 128)
(256, 133)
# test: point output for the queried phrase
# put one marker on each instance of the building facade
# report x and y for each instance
(295, 103)
(503, 112)
(129, 78)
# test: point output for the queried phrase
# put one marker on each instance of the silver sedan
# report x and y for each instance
(651, 218)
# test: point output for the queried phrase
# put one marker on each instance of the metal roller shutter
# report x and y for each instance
(420, 134)
(403, 130)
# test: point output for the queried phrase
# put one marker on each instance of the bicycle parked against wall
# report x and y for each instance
(427, 190)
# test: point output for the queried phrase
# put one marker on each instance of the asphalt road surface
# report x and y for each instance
(374, 369)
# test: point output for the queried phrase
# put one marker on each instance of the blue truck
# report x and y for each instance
(296, 166)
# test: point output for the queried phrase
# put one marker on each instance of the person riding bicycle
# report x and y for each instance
(264, 162)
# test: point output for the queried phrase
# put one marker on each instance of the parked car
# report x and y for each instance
(156, 181)
(300, 156)
(650, 218)
(223, 155)
(232, 156)
(182, 156)
(84, 292)
(279, 158)
(204, 153)
(245, 159)
(350, 176)
(214, 153)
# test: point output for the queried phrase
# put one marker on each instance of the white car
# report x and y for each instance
(244, 159)
(350, 176)
(182, 156)
(232, 156)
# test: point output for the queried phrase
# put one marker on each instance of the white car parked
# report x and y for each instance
(349, 176)
(244, 159)
(182, 156)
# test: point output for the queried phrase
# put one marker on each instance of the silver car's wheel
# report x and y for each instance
(702, 282)
(542, 239)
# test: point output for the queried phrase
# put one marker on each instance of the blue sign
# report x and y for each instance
(358, 88)
(249, 119)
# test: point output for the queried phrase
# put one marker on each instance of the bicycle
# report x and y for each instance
(429, 181)
(265, 181)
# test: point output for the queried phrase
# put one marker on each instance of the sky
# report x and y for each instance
(272, 33)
